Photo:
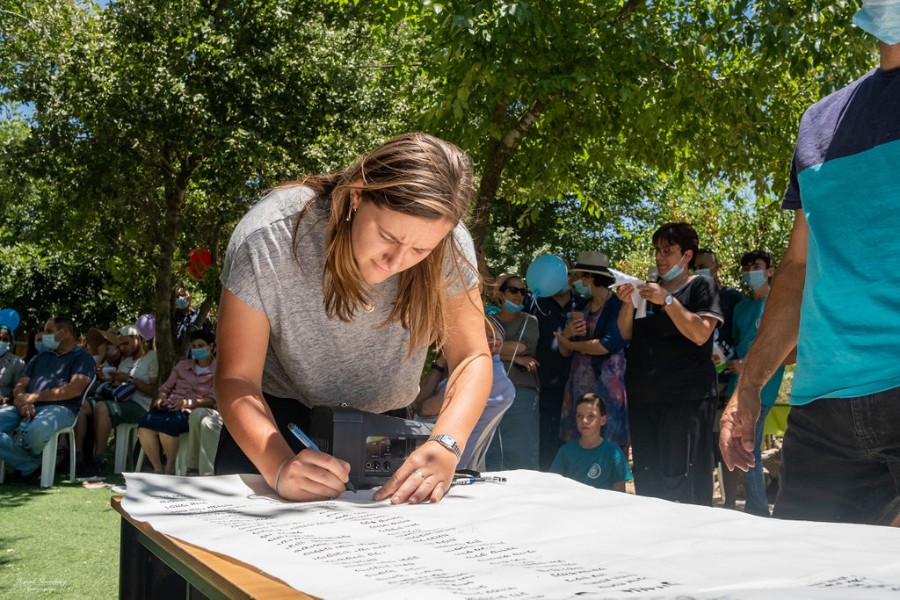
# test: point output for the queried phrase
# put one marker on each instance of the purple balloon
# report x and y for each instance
(146, 324)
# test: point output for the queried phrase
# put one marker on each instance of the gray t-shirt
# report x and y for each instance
(11, 369)
(317, 360)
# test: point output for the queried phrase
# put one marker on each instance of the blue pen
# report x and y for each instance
(466, 480)
(311, 445)
(471, 480)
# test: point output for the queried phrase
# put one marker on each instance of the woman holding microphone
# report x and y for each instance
(670, 377)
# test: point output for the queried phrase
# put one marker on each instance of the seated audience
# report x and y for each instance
(46, 398)
(190, 386)
(136, 379)
(11, 366)
(428, 403)
(36, 347)
(107, 358)
(590, 459)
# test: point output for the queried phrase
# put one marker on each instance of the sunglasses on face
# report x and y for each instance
(515, 290)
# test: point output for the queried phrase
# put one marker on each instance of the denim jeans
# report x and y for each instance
(841, 460)
(23, 452)
(755, 479)
(516, 444)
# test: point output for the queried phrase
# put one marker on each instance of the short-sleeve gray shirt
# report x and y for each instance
(312, 358)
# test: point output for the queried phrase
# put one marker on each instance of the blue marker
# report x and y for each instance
(311, 445)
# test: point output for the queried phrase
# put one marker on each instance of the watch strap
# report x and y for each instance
(447, 442)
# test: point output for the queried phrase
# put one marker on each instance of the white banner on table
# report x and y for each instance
(537, 536)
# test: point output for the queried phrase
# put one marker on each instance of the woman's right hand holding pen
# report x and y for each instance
(311, 475)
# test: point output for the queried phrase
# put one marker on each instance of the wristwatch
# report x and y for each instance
(447, 442)
(668, 300)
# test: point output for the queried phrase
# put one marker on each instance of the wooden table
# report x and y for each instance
(153, 565)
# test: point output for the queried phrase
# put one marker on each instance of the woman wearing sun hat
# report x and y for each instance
(598, 363)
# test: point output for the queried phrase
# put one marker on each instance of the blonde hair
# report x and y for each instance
(415, 174)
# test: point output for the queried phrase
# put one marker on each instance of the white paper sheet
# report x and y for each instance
(639, 303)
(537, 536)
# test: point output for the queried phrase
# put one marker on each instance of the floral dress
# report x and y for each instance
(603, 375)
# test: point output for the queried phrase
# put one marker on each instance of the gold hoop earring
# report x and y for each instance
(350, 214)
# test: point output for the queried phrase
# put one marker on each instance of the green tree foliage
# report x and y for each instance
(152, 125)
(150, 111)
(546, 93)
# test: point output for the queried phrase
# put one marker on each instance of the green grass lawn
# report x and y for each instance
(58, 542)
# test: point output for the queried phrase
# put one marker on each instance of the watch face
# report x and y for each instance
(448, 442)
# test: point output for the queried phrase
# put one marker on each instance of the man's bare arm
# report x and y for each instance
(775, 341)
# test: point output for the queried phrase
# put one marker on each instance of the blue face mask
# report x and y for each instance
(704, 272)
(4, 348)
(181, 302)
(754, 279)
(199, 353)
(513, 307)
(582, 290)
(50, 342)
(672, 273)
(881, 19)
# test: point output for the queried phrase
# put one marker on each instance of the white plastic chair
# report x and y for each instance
(126, 438)
(48, 456)
(180, 458)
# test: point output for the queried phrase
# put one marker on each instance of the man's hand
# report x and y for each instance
(737, 436)
(24, 398)
(25, 402)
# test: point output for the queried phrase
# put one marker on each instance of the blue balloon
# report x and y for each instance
(10, 318)
(547, 275)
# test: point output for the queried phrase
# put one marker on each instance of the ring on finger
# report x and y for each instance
(419, 474)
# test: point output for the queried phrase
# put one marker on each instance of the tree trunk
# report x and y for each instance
(165, 339)
(498, 155)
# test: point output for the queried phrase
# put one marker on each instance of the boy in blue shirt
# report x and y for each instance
(590, 459)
